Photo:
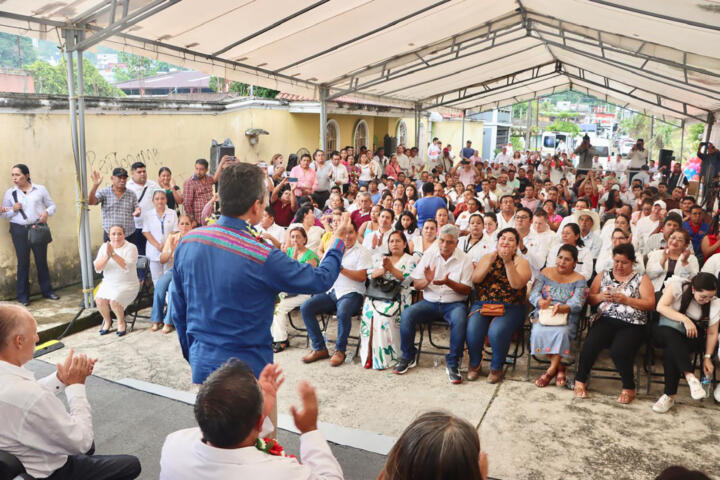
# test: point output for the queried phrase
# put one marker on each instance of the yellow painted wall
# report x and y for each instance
(175, 140)
(450, 132)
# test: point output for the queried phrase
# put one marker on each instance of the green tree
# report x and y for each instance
(560, 125)
(9, 50)
(217, 84)
(53, 80)
(139, 67)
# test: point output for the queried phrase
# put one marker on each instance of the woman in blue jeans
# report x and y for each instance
(163, 287)
(500, 277)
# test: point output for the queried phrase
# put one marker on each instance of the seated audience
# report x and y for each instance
(370, 226)
(163, 286)
(443, 275)
(407, 223)
(674, 260)
(623, 298)
(376, 242)
(570, 235)
(117, 260)
(231, 410)
(605, 260)
(299, 252)
(491, 225)
(305, 218)
(271, 231)
(380, 324)
(50, 440)
(697, 228)
(500, 280)
(436, 445)
(656, 241)
(710, 244)
(558, 291)
(689, 315)
(476, 244)
(426, 239)
(345, 298)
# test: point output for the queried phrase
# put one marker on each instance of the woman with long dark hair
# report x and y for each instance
(689, 315)
(25, 205)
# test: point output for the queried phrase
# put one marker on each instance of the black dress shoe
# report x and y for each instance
(52, 296)
(25, 303)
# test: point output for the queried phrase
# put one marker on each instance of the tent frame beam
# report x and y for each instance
(581, 78)
(656, 15)
(360, 37)
(647, 74)
(423, 63)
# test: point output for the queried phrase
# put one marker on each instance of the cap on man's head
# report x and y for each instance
(119, 172)
(662, 204)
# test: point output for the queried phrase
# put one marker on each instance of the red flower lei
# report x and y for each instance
(272, 447)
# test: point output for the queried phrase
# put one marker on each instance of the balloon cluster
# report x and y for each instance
(692, 169)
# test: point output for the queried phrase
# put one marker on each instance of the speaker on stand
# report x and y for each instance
(665, 159)
(219, 150)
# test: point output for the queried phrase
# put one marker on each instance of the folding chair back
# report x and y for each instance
(11, 468)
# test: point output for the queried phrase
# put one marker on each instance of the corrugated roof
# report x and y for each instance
(659, 57)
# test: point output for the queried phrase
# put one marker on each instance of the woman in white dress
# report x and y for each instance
(117, 260)
(476, 243)
(380, 324)
(158, 224)
(570, 235)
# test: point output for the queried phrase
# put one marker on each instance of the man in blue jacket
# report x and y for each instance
(226, 279)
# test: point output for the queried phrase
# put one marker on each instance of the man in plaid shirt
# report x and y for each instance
(198, 191)
(118, 205)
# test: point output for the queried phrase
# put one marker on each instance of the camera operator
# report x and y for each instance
(638, 155)
(585, 153)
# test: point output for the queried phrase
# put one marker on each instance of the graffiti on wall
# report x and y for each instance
(104, 163)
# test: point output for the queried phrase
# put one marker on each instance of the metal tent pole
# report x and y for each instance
(709, 170)
(323, 117)
(528, 124)
(682, 140)
(652, 137)
(72, 107)
(417, 127)
(85, 209)
(462, 130)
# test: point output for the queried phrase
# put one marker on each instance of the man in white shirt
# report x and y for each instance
(232, 410)
(345, 298)
(433, 153)
(444, 275)
(506, 217)
(417, 164)
(589, 223)
(503, 158)
(48, 440)
(487, 198)
(530, 247)
(271, 231)
(339, 174)
(143, 190)
(403, 159)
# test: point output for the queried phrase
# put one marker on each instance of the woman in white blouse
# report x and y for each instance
(117, 260)
(570, 235)
(158, 224)
(674, 260)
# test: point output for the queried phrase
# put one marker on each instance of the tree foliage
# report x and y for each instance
(561, 125)
(53, 79)
(218, 84)
(139, 67)
(9, 51)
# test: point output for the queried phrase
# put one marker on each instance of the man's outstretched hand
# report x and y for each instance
(270, 380)
(344, 228)
(306, 418)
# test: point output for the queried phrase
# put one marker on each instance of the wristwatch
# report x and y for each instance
(707, 355)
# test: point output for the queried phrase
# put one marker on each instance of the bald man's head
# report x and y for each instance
(18, 334)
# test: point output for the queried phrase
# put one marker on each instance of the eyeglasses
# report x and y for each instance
(522, 217)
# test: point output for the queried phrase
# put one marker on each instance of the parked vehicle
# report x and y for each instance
(552, 142)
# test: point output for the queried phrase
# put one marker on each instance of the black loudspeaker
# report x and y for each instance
(219, 150)
(665, 158)
(390, 145)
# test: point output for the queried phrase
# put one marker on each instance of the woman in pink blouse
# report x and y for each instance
(306, 177)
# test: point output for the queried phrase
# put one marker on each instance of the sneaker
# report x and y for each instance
(403, 366)
(717, 393)
(697, 392)
(454, 374)
(663, 404)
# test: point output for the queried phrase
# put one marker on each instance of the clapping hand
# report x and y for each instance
(75, 369)
(387, 264)
(306, 418)
(685, 255)
(344, 228)
(444, 281)
(269, 382)
(109, 250)
(429, 274)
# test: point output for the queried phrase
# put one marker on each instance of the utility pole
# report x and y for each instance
(17, 37)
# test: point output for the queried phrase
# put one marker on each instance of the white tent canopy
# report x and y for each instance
(659, 57)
